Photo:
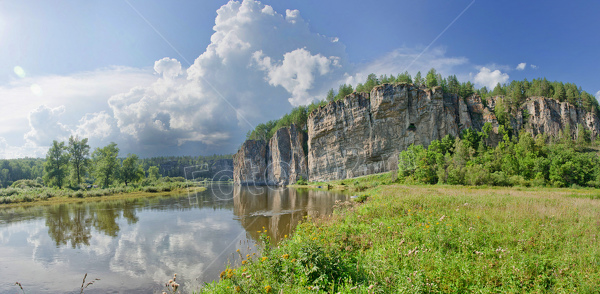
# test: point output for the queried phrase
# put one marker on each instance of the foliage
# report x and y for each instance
(106, 163)
(131, 171)
(411, 239)
(79, 152)
(55, 167)
(153, 173)
(522, 161)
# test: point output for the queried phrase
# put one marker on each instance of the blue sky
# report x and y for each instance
(192, 77)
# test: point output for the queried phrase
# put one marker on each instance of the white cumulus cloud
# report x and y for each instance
(45, 125)
(521, 66)
(489, 78)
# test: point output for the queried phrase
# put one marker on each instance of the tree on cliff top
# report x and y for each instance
(431, 78)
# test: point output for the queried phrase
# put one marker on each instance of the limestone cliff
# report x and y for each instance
(279, 162)
(363, 133)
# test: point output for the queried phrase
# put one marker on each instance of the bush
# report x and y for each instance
(301, 181)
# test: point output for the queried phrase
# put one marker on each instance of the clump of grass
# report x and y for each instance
(435, 239)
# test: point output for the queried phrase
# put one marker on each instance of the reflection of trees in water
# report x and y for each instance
(73, 223)
(279, 210)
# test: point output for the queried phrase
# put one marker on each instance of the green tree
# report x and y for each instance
(559, 92)
(131, 171)
(371, 82)
(56, 165)
(79, 151)
(330, 95)
(404, 78)
(153, 173)
(431, 78)
(106, 163)
(419, 79)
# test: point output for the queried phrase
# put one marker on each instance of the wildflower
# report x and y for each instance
(243, 262)
(264, 258)
(238, 288)
(285, 256)
(238, 250)
(247, 255)
(268, 289)
(222, 274)
(294, 260)
(284, 236)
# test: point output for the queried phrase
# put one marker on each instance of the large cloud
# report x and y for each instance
(258, 65)
(257, 60)
(45, 125)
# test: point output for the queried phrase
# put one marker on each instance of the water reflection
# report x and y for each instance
(73, 223)
(279, 209)
(134, 246)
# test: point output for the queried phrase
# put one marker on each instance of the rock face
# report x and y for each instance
(280, 162)
(364, 133)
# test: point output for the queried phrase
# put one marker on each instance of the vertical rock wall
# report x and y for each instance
(279, 162)
(363, 133)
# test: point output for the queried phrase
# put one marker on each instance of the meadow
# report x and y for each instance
(434, 239)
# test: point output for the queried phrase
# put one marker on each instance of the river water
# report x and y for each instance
(136, 245)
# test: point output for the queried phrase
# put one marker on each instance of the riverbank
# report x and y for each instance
(100, 195)
(450, 239)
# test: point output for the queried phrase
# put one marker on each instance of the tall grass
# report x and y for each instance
(435, 239)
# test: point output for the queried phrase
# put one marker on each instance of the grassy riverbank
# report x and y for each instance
(41, 196)
(446, 239)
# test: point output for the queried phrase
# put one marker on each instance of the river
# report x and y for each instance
(136, 245)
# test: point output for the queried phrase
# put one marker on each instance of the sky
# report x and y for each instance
(163, 78)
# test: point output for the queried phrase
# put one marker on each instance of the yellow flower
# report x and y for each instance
(264, 258)
(243, 262)
(285, 256)
(294, 260)
(238, 288)
(268, 289)
(284, 236)
(247, 255)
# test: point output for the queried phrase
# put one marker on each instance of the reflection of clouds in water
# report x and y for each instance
(168, 237)
(184, 244)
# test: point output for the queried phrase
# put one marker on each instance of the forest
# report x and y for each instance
(521, 160)
(72, 164)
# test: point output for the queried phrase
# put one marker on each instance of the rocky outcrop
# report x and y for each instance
(286, 161)
(250, 163)
(364, 133)
(545, 115)
(279, 162)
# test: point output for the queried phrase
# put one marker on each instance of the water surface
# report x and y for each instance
(136, 245)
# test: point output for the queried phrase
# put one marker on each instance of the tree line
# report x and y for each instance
(515, 93)
(71, 164)
(76, 153)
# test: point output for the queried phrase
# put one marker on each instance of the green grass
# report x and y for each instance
(438, 239)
